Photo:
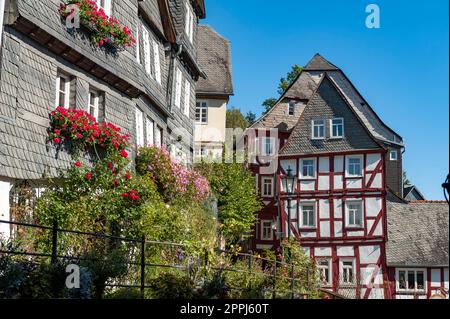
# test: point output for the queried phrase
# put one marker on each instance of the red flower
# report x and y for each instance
(79, 135)
(78, 164)
(124, 153)
(127, 176)
(57, 132)
(88, 176)
(57, 140)
(125, 195)
(110, 165)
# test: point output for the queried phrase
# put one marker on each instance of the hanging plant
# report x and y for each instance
(104, 29)
(83, 131)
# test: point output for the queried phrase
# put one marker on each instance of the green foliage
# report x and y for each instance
(238, 202)
(235, 119)
(251, 118)
(283, 85)
(173, 285)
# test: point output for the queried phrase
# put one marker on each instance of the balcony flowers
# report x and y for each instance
(84, 132)
(104, 29)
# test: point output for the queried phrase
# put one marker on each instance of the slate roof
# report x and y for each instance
(214, 57)
(326, 104)
(418, 234)
(412, 192)
(319, 63)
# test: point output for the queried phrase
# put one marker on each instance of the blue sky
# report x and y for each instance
(401, 69)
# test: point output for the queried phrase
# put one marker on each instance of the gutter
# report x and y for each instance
(2, 14)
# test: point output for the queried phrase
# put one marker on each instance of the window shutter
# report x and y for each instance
(157, 61)
(178, 88)
(150, 132)
(147, 56)
(187, 98)
(138, 45)
(139, 128)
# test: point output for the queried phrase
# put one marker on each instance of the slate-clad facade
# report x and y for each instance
(137, 88)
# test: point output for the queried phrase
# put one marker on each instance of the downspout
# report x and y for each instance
(2, 14)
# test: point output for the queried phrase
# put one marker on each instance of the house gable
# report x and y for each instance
(328, 103)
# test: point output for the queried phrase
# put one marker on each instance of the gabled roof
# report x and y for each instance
(326, 103)
(418, 234)
(319, 63)
(410, 189)
(214, 58)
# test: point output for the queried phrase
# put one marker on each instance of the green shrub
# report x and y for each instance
(173, 285)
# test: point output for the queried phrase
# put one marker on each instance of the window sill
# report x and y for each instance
(308, 229)
(337, 138)
(411, 292)
(353, 177)
(354, 228)
(307, 178)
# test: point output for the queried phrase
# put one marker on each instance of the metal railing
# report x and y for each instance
(273, 269)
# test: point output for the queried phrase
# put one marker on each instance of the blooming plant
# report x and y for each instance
(105, 29)
(84, 131)
(174, 180)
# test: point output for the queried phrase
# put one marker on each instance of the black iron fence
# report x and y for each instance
(286, 280)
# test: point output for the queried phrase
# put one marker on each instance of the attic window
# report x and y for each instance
(393, 156)
(291, 108)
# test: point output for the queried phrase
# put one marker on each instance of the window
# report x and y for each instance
(62, 91)
(105, 5)
(308, 215)
(156, 61)
(324, 267)
(146, 48)
(187, 98)
(291, 108)
(93, 104)
(337, 128)
(354, 214)
(308, 168)
(347, 272)
(201, 113)
(150, 129)
(266, 230)
(318, 129)
(158, 137)
(267, 187)
(354, 166)
(138, 45)
(268, 146)
(178, 83)
(139, 128)
(393, 156)
(189, 23)
(411, 280)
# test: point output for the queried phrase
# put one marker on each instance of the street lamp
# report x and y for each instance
(446, 187)
(289, 185)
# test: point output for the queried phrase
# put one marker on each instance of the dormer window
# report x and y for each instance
(318, 129)
(189, 22)
(337, 128)
(291, 108)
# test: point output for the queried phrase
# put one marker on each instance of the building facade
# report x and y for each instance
(147, 89)
(345, 161)
(213, 93)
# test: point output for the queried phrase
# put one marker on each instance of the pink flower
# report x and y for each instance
(124, 153)
(78, 164)
(88, 176)
(57, 140)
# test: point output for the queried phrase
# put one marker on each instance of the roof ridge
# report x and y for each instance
(319, 63)
(428, 202)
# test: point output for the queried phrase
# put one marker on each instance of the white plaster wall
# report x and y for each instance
(369, 254)
(307, 185)
(338, 183)
(285, 164)
(325, 229)
(5, 188)
(435, 277)
(353, 183)
(324, 165)
(345, 251)
(322, 252)
(338, 229)
(324, 208)
(338, 208)
(373, 206)
(339, 164)
(372, 161)
(324, 183)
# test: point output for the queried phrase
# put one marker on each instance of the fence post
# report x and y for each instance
(274, 293)
(54, 242)
(143, 267)
(292, 281)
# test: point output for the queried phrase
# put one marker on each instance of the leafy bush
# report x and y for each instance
(173, 286)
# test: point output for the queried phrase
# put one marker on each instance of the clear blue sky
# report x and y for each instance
(401, 69)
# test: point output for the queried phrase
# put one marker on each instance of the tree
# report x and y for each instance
(406, 181)
(283, 85)
(235, 119)
(251, 118)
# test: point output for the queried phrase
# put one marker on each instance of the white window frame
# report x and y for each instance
(347, 168)
(187, 98)
(395, 157)
(308, 177)
(271, 145)
(202, 108)
(314, 125)
(314, 205)
(341, 271)
(156, 61)
(415, 270)
(321, 268)
(178, 84)
(66, 103)
(263, 225)
(189, 23)
(106, 7)
(158, 136)
(347, 214)
(95, 104)
(138, 44)
(291, 105)
(146, 48)
(139, 128)
(150, 130)
(263, 189)
(332, 128)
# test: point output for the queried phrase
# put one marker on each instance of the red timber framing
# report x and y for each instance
(330, 233)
